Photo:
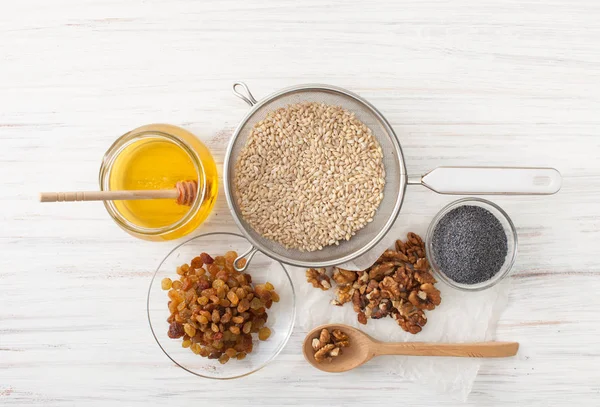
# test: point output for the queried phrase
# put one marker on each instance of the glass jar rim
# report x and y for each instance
(150, 131)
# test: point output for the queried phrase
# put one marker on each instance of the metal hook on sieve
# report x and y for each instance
(250, 253)
(248, 98)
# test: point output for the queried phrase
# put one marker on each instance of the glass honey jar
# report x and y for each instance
(157, 156)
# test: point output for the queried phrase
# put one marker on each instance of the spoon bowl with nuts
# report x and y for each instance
(355, 348)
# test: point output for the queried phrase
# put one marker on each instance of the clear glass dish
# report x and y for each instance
(511, 238)
(262, 269)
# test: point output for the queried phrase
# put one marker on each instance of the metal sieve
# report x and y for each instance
(450, 180)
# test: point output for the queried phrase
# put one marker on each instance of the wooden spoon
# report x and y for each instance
(363, 348)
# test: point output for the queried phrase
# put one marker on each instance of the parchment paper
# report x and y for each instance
(461, 317)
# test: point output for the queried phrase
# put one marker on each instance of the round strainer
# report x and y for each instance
(444, 180)
(395, 179)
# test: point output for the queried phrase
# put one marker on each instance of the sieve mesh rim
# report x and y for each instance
(312, 87)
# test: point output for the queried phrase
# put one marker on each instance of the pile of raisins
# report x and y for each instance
(216, 309)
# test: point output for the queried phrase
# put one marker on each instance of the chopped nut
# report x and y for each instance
(343, 277)
(339, 335)
(334, 352)
(392, 255)
(323, 353)
(378, 271)
(344, 295)
(425, 297)
(389, 288)
(424, 276)
(318, 278)
(316, 344)
(324, 337)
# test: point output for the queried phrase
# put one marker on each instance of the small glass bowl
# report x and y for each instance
(511, 237)
(282, 314)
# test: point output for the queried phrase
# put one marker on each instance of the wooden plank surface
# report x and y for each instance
(470, 82)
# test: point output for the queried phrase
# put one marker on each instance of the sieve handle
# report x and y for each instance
(248, 254)
(248, 98)
(492, 181)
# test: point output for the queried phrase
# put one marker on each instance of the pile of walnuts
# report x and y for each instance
(399, 285)
(328, 345)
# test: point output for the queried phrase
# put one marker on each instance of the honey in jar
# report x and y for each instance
(157, 157)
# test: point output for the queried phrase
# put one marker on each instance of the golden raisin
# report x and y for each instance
(247, 327)
(224, 303)
(215, 299)
(186, 343)
(244, 305)
(240, 293)
(264, 333)
(202, 319)
(237, 319)
(221, 292)
(196, 348)
(223, 359)
(218, 283)
(230, 257)
(202, 300)
(269, 286)
(189, 330)
(216, 317)
(274, 296)
(233, 298)
(231, 352)
(220, 261)
(234, 330)
(214, 327)
(176, 284)
(256, 303)
(166, 283)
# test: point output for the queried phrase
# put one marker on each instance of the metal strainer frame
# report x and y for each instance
(398, 166)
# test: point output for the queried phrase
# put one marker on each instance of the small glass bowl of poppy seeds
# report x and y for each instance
(471, 244)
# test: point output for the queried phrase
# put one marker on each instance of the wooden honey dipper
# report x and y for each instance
(184, 192)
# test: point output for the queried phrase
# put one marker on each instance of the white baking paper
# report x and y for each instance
(461, 317)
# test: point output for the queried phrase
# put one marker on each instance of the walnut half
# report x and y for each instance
(318, 278)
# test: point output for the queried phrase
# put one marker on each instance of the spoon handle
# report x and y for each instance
(469, 350)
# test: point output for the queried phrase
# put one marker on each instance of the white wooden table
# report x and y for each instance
(471, 82)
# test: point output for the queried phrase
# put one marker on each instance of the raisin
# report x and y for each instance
(269, 286)
(189, 330)
(231, 352)
(256, 303)
(234, 330)
(202, 300)
(247, 327)
(197, 262)
(223, 359)
(233, 298)
(206, 259)
(244, 305)
(166, 283)
(241, 355)
(175, 330)
(264, 333)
